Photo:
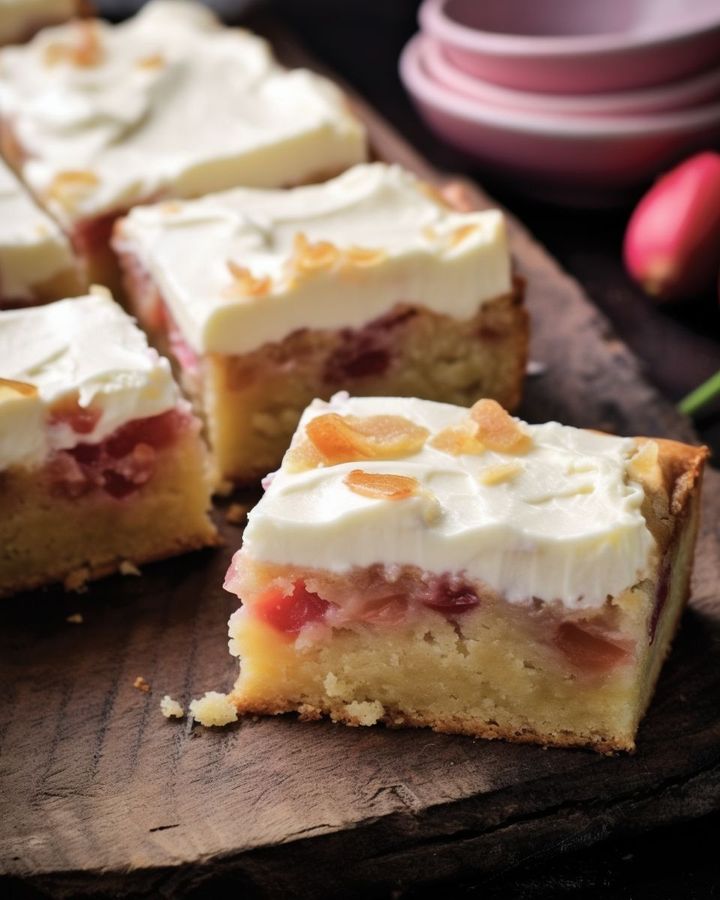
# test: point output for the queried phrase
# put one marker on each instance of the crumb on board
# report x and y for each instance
(77, 580)
(141, 685)
(236, 513)
(128, 568)
(213, 708)
(170, 708)
(75, 619)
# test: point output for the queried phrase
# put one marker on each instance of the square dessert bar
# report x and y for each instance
(20, 19)
(424, 564)
(36, 260)
(369, 283)
(101, 461)
(98, 117)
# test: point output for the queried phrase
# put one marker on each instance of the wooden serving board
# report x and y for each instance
(100, 795)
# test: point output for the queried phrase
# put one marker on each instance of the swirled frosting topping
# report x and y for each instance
(534, 511)
(246, 267)
(168, 103)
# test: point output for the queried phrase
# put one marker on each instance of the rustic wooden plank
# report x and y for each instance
(100, 795)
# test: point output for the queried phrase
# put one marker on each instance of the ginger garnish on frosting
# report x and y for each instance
(497, 429)
(309, 258)
(245, 283)
(381, 485)
(331, 439)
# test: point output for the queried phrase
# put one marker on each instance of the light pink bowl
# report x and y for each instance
(576, 46)
(591, 160)
(683, 94)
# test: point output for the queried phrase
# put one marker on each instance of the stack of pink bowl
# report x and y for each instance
(580, 101)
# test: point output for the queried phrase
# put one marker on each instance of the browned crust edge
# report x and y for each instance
(93, 572)
(397, 718)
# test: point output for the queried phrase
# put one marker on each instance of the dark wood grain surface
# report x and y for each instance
(101, 796)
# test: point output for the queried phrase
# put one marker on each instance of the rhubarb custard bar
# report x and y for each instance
(36, 260)
(101, 462)
(418, 563)
(98, 117)
(369, 283)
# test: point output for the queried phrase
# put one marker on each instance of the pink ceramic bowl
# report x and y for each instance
(576, 46)
(589, 160)
(683, 94)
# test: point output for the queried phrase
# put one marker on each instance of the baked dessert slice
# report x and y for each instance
(20, 19)
(101, 462)
(424, 564)
(36, 260)
(369, 283)
(98, 117)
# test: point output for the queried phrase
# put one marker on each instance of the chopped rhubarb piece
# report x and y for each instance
(497, 429)
(155, 431)
(450, 599)
(590, 652)
(381, 486)
(289, 613)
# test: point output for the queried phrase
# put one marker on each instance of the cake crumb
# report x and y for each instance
(75, 619)
(236, 514)
(170, 708)
(77, 580)
(213, 708)
(365, 712)
(128, 568)
(141, 685)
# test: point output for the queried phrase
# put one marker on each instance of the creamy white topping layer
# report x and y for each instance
(85, 347)
(168, 103)
(32, 247)
(245, 267)
(566, 526)
(20, 18)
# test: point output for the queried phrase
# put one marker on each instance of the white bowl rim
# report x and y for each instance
(434, 20)
(431, 51)
(418, 82)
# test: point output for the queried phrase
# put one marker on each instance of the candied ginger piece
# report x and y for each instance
(497, 429)
(247, 284)
(458, 439)
(86, 53)
(346, 438)
(499, 474)
(381, 486)
(364, 257)
(309, 257)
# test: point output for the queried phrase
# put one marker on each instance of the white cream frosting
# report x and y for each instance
(171, 104)
(85, 346)
(19, 18)
(32, 247)
(186, 248)
(567, 528)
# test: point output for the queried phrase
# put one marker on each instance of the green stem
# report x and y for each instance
(701, 396)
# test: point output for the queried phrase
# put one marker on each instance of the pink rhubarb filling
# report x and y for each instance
(120, 464)
(587, 646)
